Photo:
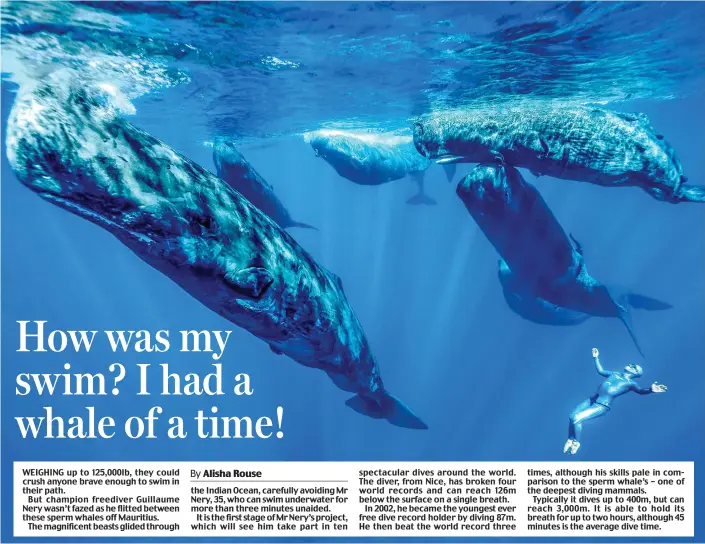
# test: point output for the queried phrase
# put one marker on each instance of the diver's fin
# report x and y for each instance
(578, 245)
(641, 302)
(301, 225)
(421, 198)
(690, 193)
(450, 159)
(251, 282)
(390, 408)
(450, 170)
(275, 350)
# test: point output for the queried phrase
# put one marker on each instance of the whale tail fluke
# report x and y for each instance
(389, 407)
(690, 193)
(626, 318)
(421, 199)
(301, 225)
(641, 302)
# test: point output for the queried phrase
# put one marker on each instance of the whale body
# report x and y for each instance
(592, 145)
(64, 144)
(234, 170)
(542, 312)
(372, 159)
(527, 236)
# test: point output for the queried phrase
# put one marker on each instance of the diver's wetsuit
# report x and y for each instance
(615, 385)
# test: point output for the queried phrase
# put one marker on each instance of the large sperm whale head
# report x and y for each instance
(336, 147)
(228, 160)
(57, 124)
(351, 155)
(487, 190)
(428, 138)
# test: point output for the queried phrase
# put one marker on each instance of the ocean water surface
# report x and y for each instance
(422, 279)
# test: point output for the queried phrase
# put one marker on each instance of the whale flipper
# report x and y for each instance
(692, 193)
(252, 282)
(390, 408)
(578, 245)
(301, 225)
(421, 197)
(450, 170)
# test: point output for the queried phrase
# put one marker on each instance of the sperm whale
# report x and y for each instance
(547, 262)
(542, 312)
(592, 145)
(234, 170)
(373, 159)
(68, 145)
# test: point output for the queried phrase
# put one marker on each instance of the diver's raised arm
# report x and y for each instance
(601, 371)
(654, 388)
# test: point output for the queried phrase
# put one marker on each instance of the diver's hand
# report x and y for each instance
(658, 388)
(595, 353)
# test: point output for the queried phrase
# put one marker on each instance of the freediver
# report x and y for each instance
(616, 384)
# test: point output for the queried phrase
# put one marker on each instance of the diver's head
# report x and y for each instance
(633, 370)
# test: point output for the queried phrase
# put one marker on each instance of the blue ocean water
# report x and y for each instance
(422, 279)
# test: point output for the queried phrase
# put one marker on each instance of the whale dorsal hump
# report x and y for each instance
(251, 282)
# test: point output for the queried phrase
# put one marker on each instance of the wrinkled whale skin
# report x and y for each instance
(373, 159)
(184, 221)
(368, 161)
(546, 262)
(593, 145)
(519, 224)
(234, 170)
